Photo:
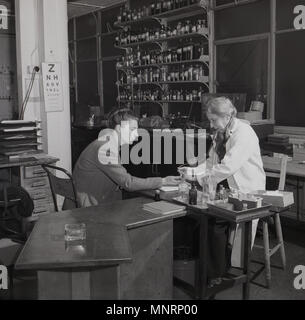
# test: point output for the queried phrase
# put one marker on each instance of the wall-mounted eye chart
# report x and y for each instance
(52, 86)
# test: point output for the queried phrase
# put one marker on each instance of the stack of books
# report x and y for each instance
(163, 207)
(278, 144)
(278, 139)
(19, 138)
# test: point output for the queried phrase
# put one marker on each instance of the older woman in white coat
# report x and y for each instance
(234, 160)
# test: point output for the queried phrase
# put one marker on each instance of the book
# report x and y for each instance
(163, 207)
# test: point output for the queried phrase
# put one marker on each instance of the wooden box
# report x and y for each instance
(280, 199)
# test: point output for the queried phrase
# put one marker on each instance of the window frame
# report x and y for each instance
(271, 36)
(254, 37)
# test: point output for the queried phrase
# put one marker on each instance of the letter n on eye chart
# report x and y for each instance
(52, 86)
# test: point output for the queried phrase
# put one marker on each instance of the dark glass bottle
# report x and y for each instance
(193, 194)
(157, 195)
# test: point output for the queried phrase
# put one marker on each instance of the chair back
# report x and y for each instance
(61, 186)
(280, 175)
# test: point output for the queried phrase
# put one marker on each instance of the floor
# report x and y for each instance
(25, 285)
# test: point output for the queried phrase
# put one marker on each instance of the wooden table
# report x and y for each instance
(128, 253)
(29, 161)
(200, 290)
(294, 170)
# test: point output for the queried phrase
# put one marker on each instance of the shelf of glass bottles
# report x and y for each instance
(174, 56)
(159, 76)
(159, 10)
(170, 96)
(203, 59)
(127, 40)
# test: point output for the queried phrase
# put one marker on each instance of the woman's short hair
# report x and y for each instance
(222, 107)
(116, 116)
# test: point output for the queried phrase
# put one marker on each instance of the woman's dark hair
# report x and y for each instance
(116, 116)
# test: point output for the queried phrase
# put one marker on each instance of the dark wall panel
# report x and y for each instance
(290, 79)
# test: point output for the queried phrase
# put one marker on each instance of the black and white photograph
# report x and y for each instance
(152, 153)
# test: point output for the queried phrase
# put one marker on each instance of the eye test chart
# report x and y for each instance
(52, 86)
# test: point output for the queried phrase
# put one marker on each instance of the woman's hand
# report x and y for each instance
(188, 173)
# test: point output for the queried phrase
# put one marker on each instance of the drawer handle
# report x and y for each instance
(39, 196)
(38, 184)
(39, 172)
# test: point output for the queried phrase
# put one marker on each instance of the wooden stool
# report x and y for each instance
(269, 252)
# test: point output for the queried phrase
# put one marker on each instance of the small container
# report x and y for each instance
(157, 195)
(193, 195)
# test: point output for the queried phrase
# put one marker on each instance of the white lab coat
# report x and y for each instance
(242, 166)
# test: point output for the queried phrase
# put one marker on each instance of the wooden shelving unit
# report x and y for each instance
(169, 18)
(179, 13)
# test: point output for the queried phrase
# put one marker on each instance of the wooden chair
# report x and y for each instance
(269, 252)
(61, 186)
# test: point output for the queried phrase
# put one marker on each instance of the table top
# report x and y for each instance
(107, 241)
(231, 217)
(31, 160)
(294, 168)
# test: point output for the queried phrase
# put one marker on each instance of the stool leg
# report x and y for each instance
(267, 254)
(279, 235)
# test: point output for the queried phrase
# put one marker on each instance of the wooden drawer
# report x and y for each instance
(33, 183)
(40, 194)
(33, 172)
(42, 208)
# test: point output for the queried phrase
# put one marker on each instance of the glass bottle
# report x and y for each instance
(168, 56)
(157, 195)
(188, 26)
(120, 15)
(194, 28)
(153, 9)
(183, 28)
(190, 73)
(124, 15)
(193, 194)
(163, 74)
(196, 73)
(184, 53)
(179, 54)
(179, 28)
(191, 49)
(150, 76)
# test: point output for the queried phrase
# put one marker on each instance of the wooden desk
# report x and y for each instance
(35, 160)
(200, 291)
(128, 253)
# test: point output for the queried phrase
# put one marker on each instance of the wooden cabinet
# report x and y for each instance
(35, 181)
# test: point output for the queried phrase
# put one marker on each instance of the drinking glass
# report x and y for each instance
(75, 232)
(208, 188)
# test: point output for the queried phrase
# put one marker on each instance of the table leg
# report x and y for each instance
(202, 268)
(298, 199)
(247, 259)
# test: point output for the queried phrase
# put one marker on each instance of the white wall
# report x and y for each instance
(42, 36)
